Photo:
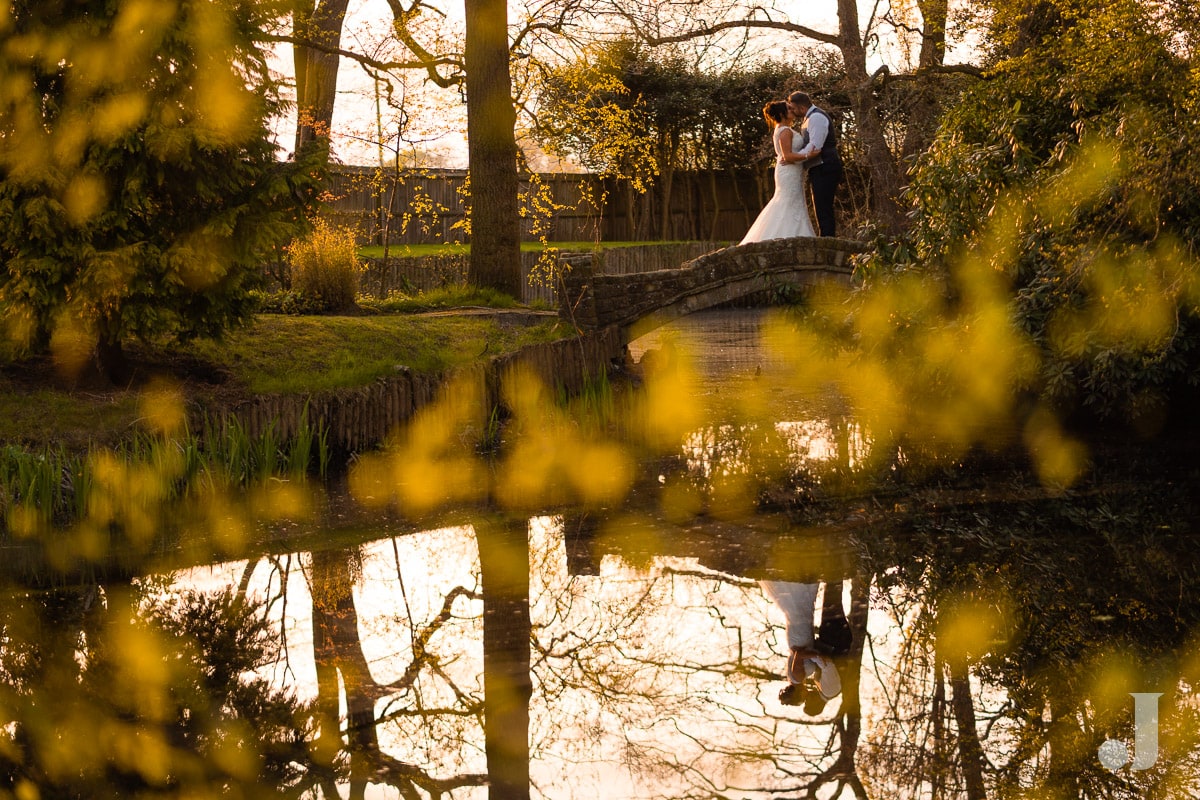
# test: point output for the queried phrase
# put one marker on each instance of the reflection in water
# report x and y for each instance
(656, 678)
(628, 650)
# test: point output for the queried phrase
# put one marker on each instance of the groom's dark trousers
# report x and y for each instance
(824, 180)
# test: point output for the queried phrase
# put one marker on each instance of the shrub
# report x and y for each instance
(325, 266)
(443, 298)
(287, 302)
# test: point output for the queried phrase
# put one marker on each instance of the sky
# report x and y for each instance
(434, 130)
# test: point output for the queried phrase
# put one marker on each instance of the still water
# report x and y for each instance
(1001, 632)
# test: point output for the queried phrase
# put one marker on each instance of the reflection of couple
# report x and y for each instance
(813, 679)
(808, 154)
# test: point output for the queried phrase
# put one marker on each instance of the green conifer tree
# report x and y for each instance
(139, 189)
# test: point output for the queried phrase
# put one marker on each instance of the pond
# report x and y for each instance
(604, 622)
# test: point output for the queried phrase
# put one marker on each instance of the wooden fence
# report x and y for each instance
(427, 206)
(422, 273)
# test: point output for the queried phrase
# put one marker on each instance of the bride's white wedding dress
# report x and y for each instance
(786, 214)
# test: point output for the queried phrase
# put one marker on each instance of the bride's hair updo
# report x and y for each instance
(775, 112)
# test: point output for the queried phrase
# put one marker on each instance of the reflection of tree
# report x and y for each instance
(619, 678)
(337, 650)
(504, 566)
(681, 659)
(426, 709)
(1032, 619)
(104, 696)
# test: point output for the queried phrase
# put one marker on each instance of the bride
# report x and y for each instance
(786, 215)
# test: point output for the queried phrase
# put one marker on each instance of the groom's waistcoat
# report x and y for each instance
(829, 151)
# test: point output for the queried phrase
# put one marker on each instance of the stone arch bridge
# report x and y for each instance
(642, 301)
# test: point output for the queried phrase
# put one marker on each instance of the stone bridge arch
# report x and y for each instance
(643, 301)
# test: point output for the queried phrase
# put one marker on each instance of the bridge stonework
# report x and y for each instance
(646, 300)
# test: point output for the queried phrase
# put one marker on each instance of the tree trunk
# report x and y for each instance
(885, 172)
(495, 260)
(715, 216)
(669, 149)
(111, 363)
(316, 70)
(970, 752)
(337, 649)
(667, 186)
(507, 686)
(941, 759)
(923, 107)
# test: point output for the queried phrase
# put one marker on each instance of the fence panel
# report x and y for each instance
(412, 274)
(427, 206)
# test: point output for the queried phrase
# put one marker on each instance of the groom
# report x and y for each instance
(826, 173)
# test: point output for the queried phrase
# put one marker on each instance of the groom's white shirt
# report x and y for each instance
(817, 129)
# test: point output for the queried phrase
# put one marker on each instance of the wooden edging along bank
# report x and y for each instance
(355, 420)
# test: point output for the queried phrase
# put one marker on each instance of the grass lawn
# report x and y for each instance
(277, 354)
(293, 354)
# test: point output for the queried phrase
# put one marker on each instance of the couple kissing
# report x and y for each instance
(806, 154)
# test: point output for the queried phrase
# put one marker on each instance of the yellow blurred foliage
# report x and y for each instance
(224, 105)
(636, 539)
(88, 542)
(143, 678)
(84, 198)
(131, 494)
(680, 500)
(732, 497)
(1058, 458)
(200, 260)
(229, 527)
(161, 405)
(533, 471)
(25, 521)
(601, 472)
(140, 22)
(117, 116)
(425, 484)
(232, 752)
(370, 481)
(68, 142)
(71, 346)
(1096, 166)
(19, 325)
(807, 358)
(876, 398)
(970, 627)
(220, 92)
(670, 405)
(1113, 677)
(278, 500)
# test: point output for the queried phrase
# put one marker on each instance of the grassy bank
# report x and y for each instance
(296, 354)
(277, 354)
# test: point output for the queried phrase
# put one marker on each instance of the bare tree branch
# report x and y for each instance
(765, 24)
(383, 66)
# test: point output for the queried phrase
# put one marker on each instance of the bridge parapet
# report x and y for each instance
(593, 301)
